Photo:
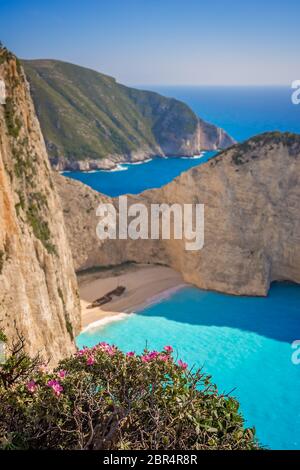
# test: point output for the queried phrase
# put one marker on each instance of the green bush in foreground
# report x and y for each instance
(102, 398)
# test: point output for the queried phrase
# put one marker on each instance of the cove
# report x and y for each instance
(135, 178)
(243, 342)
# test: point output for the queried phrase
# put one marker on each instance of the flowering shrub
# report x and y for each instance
(102, 398)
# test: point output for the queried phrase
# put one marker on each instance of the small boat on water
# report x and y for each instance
(118, 291)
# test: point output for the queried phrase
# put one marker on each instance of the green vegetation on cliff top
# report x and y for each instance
(87, 115)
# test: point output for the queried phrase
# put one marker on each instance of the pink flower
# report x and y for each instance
(31, 386)
(56, 387)
(182, 364)
(150, 356)
(146, 358)
(90, 361)
(163, 357)
(130, 354)
(153, 354)
(82, 352)
(168, 349)
(111, 350)
(62, 373)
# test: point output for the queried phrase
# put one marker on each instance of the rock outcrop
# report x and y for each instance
(89, 121)
(251, 194)
(38, 289)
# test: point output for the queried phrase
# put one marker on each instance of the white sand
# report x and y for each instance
(145, 284)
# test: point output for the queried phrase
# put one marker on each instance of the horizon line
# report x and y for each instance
(186, 85)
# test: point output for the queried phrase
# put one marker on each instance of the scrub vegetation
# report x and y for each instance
(102, 398)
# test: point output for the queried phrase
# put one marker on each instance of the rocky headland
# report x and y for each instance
(89, 121)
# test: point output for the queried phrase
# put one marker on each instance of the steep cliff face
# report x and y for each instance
(38, 291)
(90, 121)
(212, 137)
(251, 194)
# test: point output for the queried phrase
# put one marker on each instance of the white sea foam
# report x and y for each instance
(155, 299)
(194, 157)
(118, 167)
(141, 162)
(123, 166)
(98, 324)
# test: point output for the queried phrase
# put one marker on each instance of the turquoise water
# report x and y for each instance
(243, 342)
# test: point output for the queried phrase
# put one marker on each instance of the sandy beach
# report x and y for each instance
(144, 285)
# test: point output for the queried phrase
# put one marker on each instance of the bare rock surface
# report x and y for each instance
(251, 194)
(38, 288)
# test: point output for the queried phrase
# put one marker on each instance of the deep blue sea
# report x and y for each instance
(135, 178)
(245, 343)
(241, 111)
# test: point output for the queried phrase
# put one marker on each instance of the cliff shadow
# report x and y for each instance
(276, 316)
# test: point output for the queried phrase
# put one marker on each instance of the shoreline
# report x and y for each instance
(119, 316)
(145, 285)
(121, 165)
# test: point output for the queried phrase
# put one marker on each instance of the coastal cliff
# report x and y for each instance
(38, 289)
(251, 194)
(89, 121)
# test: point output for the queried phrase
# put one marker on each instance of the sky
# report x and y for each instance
(162, 42)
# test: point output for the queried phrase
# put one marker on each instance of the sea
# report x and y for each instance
(245, 343)
(242, 111)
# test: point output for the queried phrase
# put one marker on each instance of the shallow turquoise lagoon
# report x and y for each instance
(243, 342)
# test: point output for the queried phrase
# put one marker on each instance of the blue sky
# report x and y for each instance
(173, 42)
